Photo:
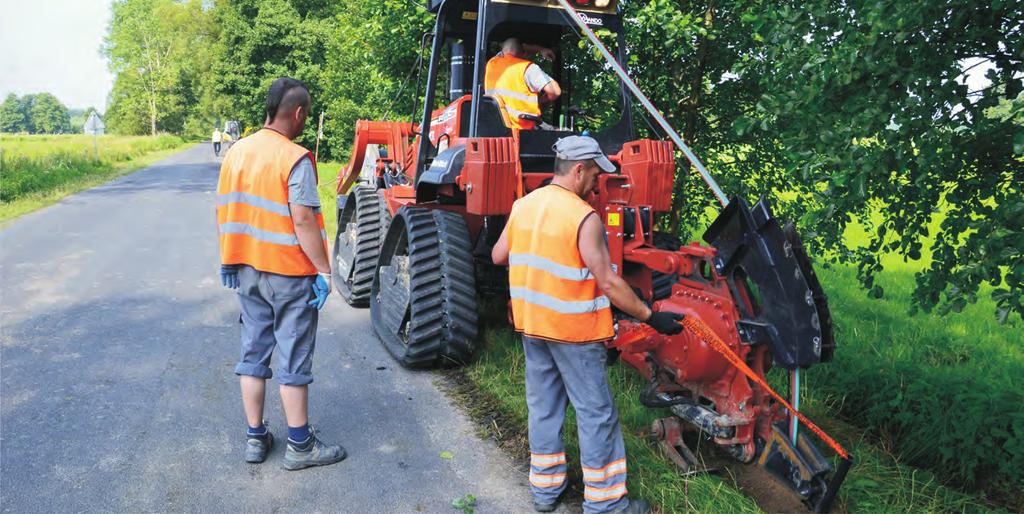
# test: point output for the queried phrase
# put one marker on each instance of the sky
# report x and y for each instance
(54, 46)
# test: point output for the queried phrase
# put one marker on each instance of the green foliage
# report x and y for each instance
(40, 113)
(835, 111)
(12, 118)
(466, 504)
(158, 50)
(683, 55)
(261, 40)
(48, 115)
(864, 107)
(372, 51)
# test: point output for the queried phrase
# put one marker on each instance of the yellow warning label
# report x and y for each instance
(614, 219)
(469, 15)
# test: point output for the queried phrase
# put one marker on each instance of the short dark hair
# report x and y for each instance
(286, 94)
(562, 166)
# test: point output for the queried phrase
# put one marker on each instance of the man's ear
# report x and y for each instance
(579, 169)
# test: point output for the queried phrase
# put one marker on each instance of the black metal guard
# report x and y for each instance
(825, 504)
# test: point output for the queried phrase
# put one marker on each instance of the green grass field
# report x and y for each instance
(38, 170)
(913, 398)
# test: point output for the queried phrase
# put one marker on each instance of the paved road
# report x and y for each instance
(117, 346)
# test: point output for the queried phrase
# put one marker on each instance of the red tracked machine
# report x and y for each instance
(419, 210)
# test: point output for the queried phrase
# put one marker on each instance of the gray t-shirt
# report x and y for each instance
(302, 185)
(536, 79)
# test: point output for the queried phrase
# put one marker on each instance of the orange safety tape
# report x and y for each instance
(699, 328)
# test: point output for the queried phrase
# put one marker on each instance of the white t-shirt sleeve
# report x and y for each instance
(536, 79)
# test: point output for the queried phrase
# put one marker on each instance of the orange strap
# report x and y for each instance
(701, 330)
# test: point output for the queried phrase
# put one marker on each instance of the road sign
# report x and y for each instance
(94, 125)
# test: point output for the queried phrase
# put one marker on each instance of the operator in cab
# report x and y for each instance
(520, 86)
(562, 286)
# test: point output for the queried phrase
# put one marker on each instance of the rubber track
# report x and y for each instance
(369, 236)
(661, 284)
(442, 329)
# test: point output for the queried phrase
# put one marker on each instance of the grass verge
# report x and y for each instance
(877, 483)
(37, 171)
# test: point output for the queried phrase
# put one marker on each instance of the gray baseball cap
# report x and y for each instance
(581, 148)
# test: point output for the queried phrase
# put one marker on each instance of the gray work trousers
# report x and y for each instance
(276, 319)
(557, 373)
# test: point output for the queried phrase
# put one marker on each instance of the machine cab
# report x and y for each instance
(468, 33)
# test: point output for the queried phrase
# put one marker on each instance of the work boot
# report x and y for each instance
(258, 446)
(317, 454)
(637, 506)
(545, 507)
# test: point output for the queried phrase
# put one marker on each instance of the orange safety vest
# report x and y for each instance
(505, 79)
(255, 222)
(554, 295)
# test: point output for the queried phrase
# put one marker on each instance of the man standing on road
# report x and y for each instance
(216, 138)
(562, 287)
(273, 249)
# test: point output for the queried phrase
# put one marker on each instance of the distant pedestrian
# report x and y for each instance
(273, 249)
(217, 138)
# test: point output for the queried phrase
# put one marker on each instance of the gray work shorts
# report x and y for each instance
(275, 315)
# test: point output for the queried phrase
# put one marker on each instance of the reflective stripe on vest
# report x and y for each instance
(554, 296)
(505, 78)
(253, 216)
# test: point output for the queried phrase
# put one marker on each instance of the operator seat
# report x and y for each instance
(490, 122)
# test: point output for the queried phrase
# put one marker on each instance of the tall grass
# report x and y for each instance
(941, 392)
(33, 165)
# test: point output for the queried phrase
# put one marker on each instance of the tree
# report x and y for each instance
(12, 118)
(858, 112)
(261, 40)
(152, 47)
(866, 110)
(48, 115)
(372, 76)
(840, 112)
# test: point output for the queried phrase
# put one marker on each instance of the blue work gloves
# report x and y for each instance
(321, 288)
(229, 276)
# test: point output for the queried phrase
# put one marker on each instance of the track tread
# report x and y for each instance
(442, 328)
(370, 216)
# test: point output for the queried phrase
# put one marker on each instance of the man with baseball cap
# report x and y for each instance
(562, 287)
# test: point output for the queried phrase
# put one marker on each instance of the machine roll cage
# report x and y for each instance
(470, 25)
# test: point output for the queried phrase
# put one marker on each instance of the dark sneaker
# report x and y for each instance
(545, 507)
(635, 507)
(318, 454)
(257, 447)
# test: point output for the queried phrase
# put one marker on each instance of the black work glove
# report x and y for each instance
(665, 322)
